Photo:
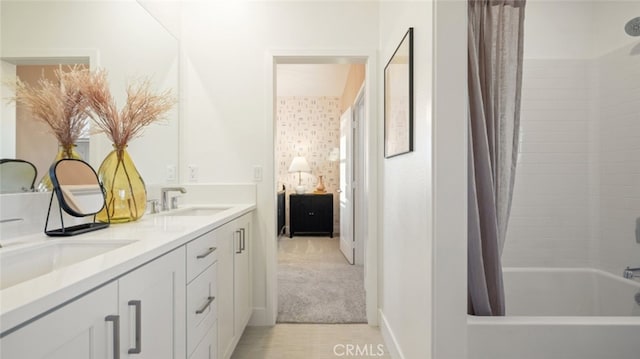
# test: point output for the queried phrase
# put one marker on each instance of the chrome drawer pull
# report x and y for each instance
(239, 241)
(116, 334)
(242, 248)
(209, 251)
(138, 305)
(206, 305)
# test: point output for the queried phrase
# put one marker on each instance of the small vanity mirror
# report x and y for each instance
(17, 176)
(79, 194)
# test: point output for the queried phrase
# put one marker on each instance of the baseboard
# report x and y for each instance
(259, 317)
(389, 339)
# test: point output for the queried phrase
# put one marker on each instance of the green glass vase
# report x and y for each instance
(125, 191)
(45, 183)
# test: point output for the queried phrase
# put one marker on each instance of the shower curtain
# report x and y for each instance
(494, 78)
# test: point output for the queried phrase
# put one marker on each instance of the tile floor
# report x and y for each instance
(311, 341)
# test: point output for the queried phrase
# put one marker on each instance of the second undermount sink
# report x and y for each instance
(197, 211)
(22, 264)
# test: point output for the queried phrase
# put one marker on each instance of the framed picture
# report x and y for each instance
(398, 99)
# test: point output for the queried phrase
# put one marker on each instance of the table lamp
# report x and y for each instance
(299, 164)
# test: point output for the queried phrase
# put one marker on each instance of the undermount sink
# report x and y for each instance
(197, 211)
(22, 264)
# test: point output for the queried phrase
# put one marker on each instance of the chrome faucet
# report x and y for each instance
(164, 199)
(631, 273)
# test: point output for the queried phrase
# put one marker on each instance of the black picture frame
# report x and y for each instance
(398, 99)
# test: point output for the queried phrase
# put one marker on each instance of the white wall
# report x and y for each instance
(120, 37)
(7, 113)
(576, 29)
(228, 121)
(406, 197)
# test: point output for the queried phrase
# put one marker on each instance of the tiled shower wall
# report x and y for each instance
(619, 158)
(308, 127)
(549, 224)
(577, 191)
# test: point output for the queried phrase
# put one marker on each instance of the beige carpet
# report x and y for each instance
(316, 284)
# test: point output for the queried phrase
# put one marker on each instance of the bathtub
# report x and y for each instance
(561, 313)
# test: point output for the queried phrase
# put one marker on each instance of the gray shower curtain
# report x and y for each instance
(495, 79)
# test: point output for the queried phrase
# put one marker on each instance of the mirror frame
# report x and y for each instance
(63, 205)
(35, 170)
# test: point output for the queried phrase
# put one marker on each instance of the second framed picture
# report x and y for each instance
(398, 99)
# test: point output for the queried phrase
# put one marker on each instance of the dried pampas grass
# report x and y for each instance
(60, 104)
(142, 108)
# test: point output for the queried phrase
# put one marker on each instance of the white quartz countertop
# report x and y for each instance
(153, 236)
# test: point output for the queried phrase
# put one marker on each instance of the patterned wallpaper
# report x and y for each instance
(308, 127)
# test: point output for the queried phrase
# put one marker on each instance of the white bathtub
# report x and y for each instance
(558, 313)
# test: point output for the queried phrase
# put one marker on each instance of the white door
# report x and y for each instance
(346, 185)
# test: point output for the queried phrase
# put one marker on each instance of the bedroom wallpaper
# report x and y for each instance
(308, 127)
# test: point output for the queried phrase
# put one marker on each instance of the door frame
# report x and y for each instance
(359, 225)
(350, 139)
(368, 152)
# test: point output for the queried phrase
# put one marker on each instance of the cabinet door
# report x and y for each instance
(242, 274)
(324, 209)
(76, 331)
(207, 348)
(155, 294)
(226, 251)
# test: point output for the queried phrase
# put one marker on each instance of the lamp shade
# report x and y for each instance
(299, 164)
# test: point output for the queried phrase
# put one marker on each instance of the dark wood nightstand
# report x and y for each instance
(311, 214)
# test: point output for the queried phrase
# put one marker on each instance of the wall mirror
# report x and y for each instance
(79, 194)
(17, 176)
(121, 37)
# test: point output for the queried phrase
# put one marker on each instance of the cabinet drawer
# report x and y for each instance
(208, 347)
(202, 306)
(201, 253)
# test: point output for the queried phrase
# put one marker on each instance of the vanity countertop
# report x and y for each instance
(153, 235)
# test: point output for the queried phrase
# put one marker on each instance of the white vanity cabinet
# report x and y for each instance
(77, 330)
(191, 302)
(234, 283)
(144, 308)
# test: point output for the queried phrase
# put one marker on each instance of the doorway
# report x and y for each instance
(23, 136)
(318, 281)
(330, 158)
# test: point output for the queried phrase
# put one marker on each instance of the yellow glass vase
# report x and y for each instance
(125, 192)
(45, 183)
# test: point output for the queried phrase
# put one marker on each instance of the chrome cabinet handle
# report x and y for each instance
(209, 251)
(242, 248)
(137, 304)
(115, 319)
(206, 305)
(239, 242)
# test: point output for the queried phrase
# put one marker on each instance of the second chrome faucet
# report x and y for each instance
(164, 198)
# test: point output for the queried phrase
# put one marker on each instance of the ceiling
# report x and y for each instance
(311, 79)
